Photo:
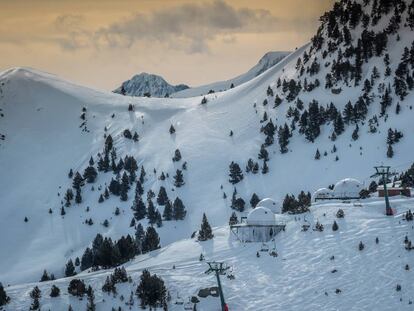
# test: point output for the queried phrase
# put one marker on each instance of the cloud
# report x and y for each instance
(188, 27)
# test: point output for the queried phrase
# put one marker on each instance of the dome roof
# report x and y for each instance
(261, 216)
(322, 193)
(347, 187)
(274, 206)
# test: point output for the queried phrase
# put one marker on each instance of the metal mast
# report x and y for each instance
(219, 268)
(384, 172)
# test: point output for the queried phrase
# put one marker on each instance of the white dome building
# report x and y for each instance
(347, 188)
(321, 194)
(261, 216)
(275, 207)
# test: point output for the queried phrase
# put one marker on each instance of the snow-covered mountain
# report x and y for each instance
(268, 60)
(332, 109)
(145, 84)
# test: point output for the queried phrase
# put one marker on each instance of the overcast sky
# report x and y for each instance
(100, 43)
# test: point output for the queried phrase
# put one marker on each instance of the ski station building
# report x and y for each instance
(345, 189)
(262, 223)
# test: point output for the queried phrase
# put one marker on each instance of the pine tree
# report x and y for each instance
(263, 154)
(236, 174)
(87, 259)
(339, 125)
(114, 187)
(124, 187)
(35, 294)
(109, 286)
(90, 174)
(45, 277)
(233, 219)
(390, 151)
(4, 299)
(152, 292)
(334, 226)
(151, 241)
(54, 291)
(68, 197)
(172, 129)
(162, 198)
(77, 288)
(90, 306)
(178, 179)
(386, 101)
(205, 233)
(265, 167)
(142, 175)
(139, 237)
(355, 135)
(168, 211)
(283, 137)
(179, 211)
(139, 208)
(152, 212)
(78, 196)
(70, 269)
(101, 199)
(177, 156)
(254, 200)
(317, 155)
(78, 181)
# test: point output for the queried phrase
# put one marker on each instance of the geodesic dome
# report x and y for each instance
(274, 206)
(347, 188)
(322, 193)
(261, 216)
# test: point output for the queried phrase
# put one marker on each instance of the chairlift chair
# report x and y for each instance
(188, 305)
(179, 300)
(265, 247)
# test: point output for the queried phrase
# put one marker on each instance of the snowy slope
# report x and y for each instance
(44, 138)
(268, 60)
(302, 274)
(145, 83)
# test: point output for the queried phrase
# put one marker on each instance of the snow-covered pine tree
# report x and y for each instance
(205, 233)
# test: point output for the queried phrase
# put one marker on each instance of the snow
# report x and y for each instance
(267, 61)
(44, 139)
(347, 188)
(275, 207)
(298, 277)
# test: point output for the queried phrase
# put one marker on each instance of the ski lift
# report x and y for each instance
(179, 300)
(273, 252)
(265, 247)
(213, 292)
(188, 305)
(230, 275)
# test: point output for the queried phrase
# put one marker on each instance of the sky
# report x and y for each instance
(100, 43)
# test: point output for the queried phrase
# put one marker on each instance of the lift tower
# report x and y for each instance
(219, 268)
(384, 172)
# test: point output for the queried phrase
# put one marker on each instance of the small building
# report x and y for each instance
(348, 188)
(274, 206)
(394, 191)
(260, 225)
(322, 194)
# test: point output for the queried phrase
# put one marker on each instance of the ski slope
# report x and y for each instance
(43, 141)
(300, 277)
